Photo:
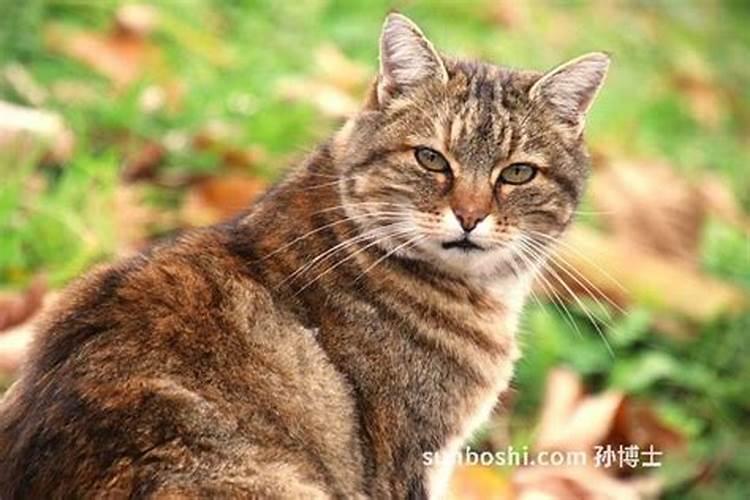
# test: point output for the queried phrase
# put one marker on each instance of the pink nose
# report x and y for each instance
(469, 216)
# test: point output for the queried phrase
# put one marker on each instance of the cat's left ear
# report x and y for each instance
(407, 58)
(570, 88)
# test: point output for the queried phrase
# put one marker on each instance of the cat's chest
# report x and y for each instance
(478, 405)
(476, 411)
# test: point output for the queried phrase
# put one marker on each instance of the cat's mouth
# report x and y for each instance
(464, 244)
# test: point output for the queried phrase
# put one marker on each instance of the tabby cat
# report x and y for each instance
(357, 317)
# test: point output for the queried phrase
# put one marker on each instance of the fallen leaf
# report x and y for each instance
(334, 88)
(14, 344)
(654, 220)
(136, 219)
(17, 308)
(692, 77)
(335, 68)
(25, 129)
(142, 163)
(509, 14)
(572, 420)
(720, 202)
(327, 98)
(75, 92)
(24, 84)
(221, 139)
(581, 483)
(121, 56)
(217, 198)
(649, 206)
(242, 158)
(15, 341)
(138, 19)
(636, 423)
(604, 271)
(477, 482)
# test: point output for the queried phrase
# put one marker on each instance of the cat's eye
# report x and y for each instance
(518, 173)
(431, 160)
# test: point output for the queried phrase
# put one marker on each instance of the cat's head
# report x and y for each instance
(471, 166)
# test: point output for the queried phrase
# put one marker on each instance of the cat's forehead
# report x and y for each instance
(486, 104)
(476, 83)
(475, 116)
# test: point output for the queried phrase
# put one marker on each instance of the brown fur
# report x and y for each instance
(242, 360)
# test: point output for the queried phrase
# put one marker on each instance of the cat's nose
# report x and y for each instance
(469, 216)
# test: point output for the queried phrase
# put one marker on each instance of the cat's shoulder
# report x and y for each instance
(189, 285)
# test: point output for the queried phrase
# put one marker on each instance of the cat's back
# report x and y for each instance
(164, 370)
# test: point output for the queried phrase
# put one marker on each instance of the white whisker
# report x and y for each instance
(580, 254)
(556, 300)
(340, 246)
(388, 254)
(580, 303)
(583, 282)
(325, 226)
(351, 256)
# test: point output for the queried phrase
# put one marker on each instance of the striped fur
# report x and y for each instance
(318, 345)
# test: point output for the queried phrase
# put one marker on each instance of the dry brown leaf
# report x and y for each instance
(18, 308)
(14, 344)
(135, 218)
(608, 264)
(563, 391)
(580, 483)
(694, 79)
(23, 130)
(655, 220)
(327, 98)
(574, 421)
(221, 139)
(509, 14)
(636, 423)
(25, 85)
(649, 206)
(243, 158)
(142, 163)
(217, 198)
(476, 482)
(335, 68)
(118, 57)
(75, 92)
(335, 87)
(138, 19)
(720, 202)
(122, 56)
(570, 421)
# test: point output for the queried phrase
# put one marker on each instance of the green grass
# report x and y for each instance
(67, 224)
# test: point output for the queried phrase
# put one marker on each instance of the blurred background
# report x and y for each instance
(122, 123)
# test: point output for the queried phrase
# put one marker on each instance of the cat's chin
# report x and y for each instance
(463, 244)
(469, 260)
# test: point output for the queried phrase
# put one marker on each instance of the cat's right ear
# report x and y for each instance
(570, 89)
(407, 58)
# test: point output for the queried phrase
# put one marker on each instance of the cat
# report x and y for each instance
(360, 316)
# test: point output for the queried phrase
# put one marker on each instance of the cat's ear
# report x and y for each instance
(407, 58)
(570, 88)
